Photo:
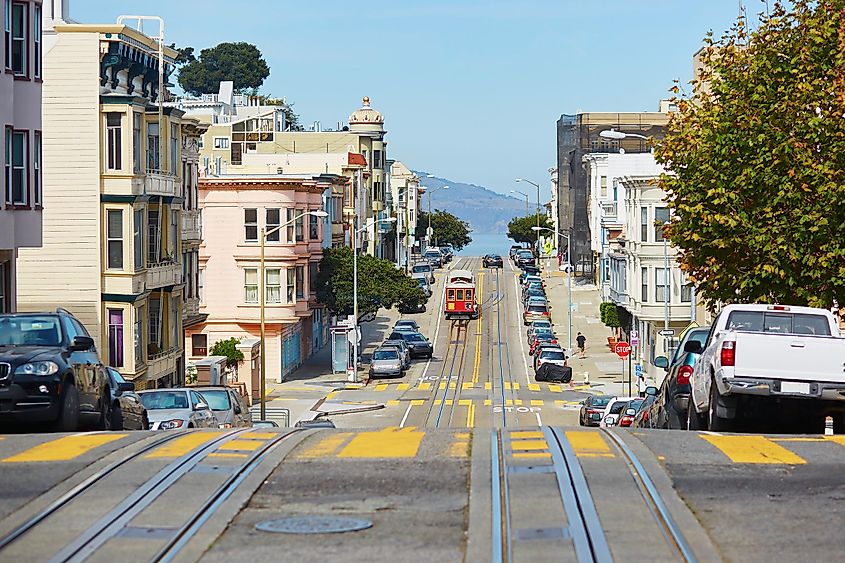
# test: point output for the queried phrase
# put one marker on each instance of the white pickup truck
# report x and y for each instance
(780, 365)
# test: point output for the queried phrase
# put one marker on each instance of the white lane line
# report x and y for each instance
(439, 314)
(539, 422)
(405, 418)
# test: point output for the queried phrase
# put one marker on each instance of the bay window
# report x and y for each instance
(291, 285)
(114, 237)
(113, 141)
(115, 318)
(274, 286)
(273, 218)
(19, 39)
(300, 282)
(250, 285)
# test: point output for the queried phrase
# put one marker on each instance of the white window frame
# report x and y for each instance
(116, 240)
(250, 286)
(37, 178)
(219, 143)
(23, 166)
(248, 224)
(662, 281)
(273, 287)
(36, 41)
(114, 141)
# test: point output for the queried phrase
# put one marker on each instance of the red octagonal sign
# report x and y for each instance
(623, 349)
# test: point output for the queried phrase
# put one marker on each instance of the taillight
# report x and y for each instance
(728, 353)
(468, 305)
(684, 374)
(545, 313)
(626, 420)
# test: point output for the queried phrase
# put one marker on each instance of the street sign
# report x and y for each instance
(667, 332)
(638, 369)
(623, 349)
(635, 340)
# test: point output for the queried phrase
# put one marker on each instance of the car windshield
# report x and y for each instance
(617, 407)
(30, 330)
(779, 322)
(421, 268)
(599, 401)
(218, 399)
(552, 355)
(421, 282)
(156, 400)
(414, 337)
(537, 308)
(540, 325)
(385, 355)
(540, 332)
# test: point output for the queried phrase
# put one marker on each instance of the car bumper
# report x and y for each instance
(764, 387)
(385, 371)
(419, 352)
(27, 403)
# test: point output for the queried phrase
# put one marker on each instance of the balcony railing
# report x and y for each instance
(163, 274)
(191, 308)
(609, 209)
(158, 182)
(191, 225)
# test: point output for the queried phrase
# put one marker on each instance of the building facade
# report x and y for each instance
(404, 204)
(22, 142)
(243, 208)
(113, 189)
(192, 131)
(578, 135)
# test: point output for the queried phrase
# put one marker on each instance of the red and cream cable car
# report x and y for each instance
(461, 302)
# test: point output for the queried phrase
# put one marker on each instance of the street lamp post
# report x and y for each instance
(525, 195)
(355, 290)
(262, 300)
(666, 287)
(430, 191)
(538, 209)
(568, 274)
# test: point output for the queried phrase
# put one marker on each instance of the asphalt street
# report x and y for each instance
(468, 460)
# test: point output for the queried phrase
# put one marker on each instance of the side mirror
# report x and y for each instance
(651, 391)
(81, 344)
(693, 347)
(201, 407)
(125, 387)
(661, 362)
(237, 409)
(630, 412)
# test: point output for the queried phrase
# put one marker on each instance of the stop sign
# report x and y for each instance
(623, 349)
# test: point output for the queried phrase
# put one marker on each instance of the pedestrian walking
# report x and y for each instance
(641, 385)
(581, 340)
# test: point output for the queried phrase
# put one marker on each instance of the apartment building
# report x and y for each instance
(113, 197)
(404, 203)
(22, 142)
(192, 131)
(243, 208)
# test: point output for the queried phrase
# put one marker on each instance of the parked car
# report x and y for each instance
(537, 325)
(535, 313)
(423, 268)
(265, 424)
(629, 411)
(771, 364)
(406, 324)
(613, 410)
(540, 341)
(447, 253)
(492, 261)
(386, 361)
(670, 408)
(513, 250)
(409, 309)
(419, 344)
(50, 372)
(530, 269)
(423, 282)
(532, 278)
(434, 257)
(404, 351)
(535, 300)
(169, 409)
(540, 333)
(525, 257)
(126, 411)
(642, 418)
(227, 405)
(592, 409)
(533, 285)
(549, 354)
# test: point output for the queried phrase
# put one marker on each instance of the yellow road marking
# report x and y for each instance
(381, 387)
(840, 439)
(522, 434)
(183, 445)
(531, 455)
(555, 388)
(417, 402)
(464, 402)
(589, 444)
(63, 449)
(477, 363)
(402, 387)
(537, 402)
(753, 449)
(533, 386)
(388, 443)
(511, 386)
(453, 386)
(471, 416)
(327, 446)
(393, 403)
(819, 439)
(259, 435)
(331, 394)
(460, 447)
(488, 386)
(467, 385)
(488, 402)
(442, 386)
(241, 445)
(424, 386)
(229, 455)
(527, 445)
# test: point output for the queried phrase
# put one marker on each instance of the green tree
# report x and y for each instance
(228, 348)
(380, 284)
(242, 63)
(447, 228)
(521, 229)
(757, 160)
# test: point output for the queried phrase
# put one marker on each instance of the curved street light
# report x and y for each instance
(525, 195)
(618, 135)
(538, 208)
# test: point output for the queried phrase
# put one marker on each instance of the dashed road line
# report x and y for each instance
(753, 449)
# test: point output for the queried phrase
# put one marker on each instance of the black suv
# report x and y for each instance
(50, 371)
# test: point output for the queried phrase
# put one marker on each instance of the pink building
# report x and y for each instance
(20, 115)
(235, 211)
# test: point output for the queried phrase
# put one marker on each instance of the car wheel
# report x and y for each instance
(104, 423)
(68, 420)
(673, 419)
(145, 422)
(694, 420)
(716, 423)
(116, 418)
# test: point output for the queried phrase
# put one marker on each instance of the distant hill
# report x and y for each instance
(485, 210)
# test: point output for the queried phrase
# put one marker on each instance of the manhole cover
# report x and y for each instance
(313, 525)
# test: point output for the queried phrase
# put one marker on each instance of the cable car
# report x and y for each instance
(460, 300)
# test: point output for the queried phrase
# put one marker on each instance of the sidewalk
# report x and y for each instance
(314, 382)
(600, 366)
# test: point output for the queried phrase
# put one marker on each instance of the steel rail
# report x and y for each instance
(499, 346)
(584, 525)
(81, 488)
(436, 386)
(500, 505)
(460, 350)
(184, 534)
(112, 522)
(671, 531)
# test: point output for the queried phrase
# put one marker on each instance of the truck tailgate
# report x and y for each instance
(790, 357)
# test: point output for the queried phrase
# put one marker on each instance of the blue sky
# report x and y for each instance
(470, 89)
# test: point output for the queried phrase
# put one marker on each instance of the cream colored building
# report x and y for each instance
(405, 202)
(113, 199)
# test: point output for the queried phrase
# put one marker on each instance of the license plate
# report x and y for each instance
(795, 388)
(595, 417)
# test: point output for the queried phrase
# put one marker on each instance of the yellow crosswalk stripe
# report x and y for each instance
(488, 386)
(589, 444)
(467, 385)
(402, 387)
(326, 446)
(183, 445)
(555, 388)
(417, 402)
(393, 403)
(464, 402)
(523, 434)
(442, 386)
(753, 449)
(511, 386)
(64, 449)
(488, 403)
(533, 386)
(241, 445)
(528, 445)
(460, 447)
(391, 442)
(259, 435)
(519, 455)
(424, 386)
(537, 402)
(381, 387)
